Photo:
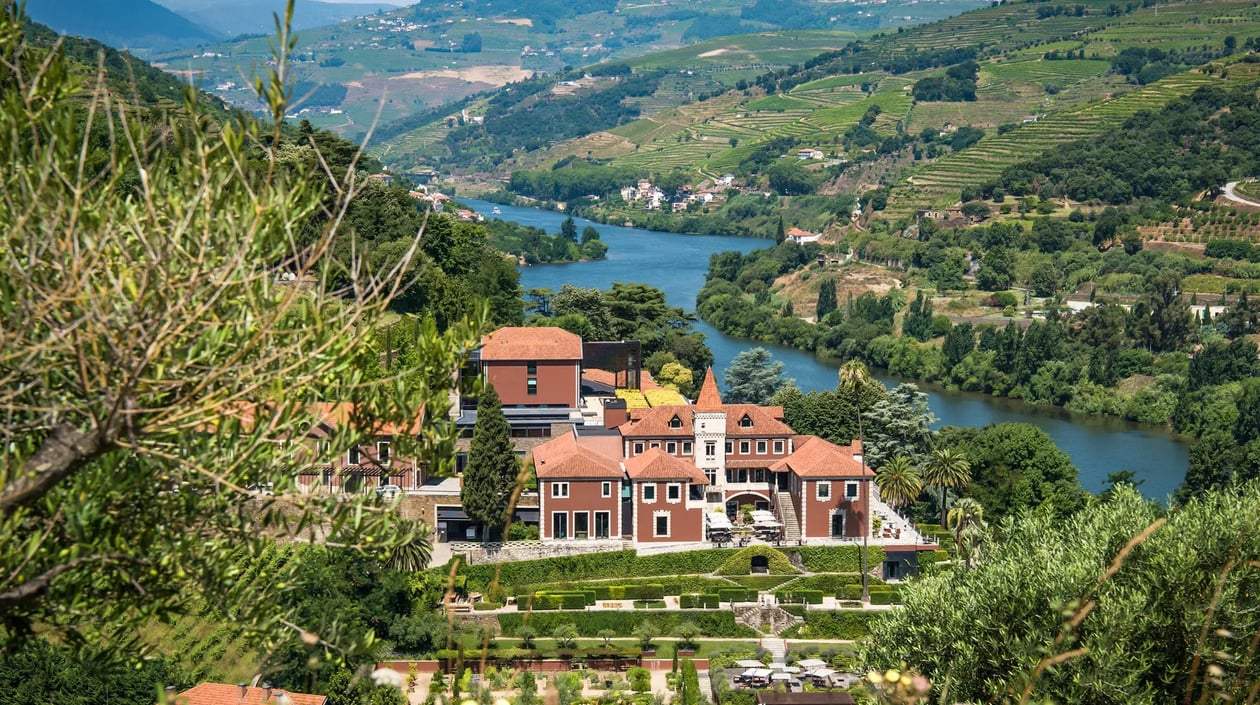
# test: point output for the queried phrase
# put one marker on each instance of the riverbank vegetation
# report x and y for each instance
(534, 246)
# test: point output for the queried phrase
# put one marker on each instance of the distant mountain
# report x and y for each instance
(137, 25)
(236, 17)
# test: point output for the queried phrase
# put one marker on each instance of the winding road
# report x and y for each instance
(1229, 193)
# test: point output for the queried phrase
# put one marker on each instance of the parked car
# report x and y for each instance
(388, 491)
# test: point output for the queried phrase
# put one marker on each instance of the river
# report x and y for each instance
(676, 264)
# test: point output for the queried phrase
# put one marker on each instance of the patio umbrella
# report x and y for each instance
(781, 677)
(792, 669)
(779, 666)
(748, 663)
(811, 663)
(823, 672)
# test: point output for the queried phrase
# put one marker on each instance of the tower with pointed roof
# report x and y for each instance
(710, 432)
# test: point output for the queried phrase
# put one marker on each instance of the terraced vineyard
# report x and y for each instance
(939, 183)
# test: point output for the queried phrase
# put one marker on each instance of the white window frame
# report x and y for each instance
(595, 523)
(710, 449)
(821, 485)
(382, 452)
(638, 447)
(673, 488)
(568, 530)
(605, 489)
(559, 490)
(669, 525)
(730, 447)
(353, 456)
(745, 448)
(761, 447)
(778, 446)
(654, 444)
(852, 491)
(675, 422)
(646, 487)
(671, 447)
(686, 448)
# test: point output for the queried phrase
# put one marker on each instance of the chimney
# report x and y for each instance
(244, 689)
(615, 413)
(168, 694)
(266, 692)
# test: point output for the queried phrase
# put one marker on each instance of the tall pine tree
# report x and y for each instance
(492, 466)
(568, 229)
(826, 298)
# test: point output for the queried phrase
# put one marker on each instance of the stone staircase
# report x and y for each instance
(776, 647)
(760, 617)
(787, 515)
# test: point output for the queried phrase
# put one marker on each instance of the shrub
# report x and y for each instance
(795, 610)
(698, 601)
(649, 604)
(885, 598)
(804, 596)
(591, 566)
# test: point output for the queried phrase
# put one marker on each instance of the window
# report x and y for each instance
(778, 447)
(759, 475)
(661, 525)
(581, 525)
(382, 452)
(695, 493)
(325, 448)
(711, 475)
(730, 447)
(654, 444)
(744, 447)
(531, 387)
(649, 493)
(531, 368)
(605, 489)
(745, 421)
(710, 448)
(559, 525)
(761, 447)
(671, 447)
(638, 447)
(603, 524)
(675, 422)
(673, 492)
(559, 489)
(837, 523)
(824, 489)
(686, 448)
(851, 490)
(352, 458)
(419, 478)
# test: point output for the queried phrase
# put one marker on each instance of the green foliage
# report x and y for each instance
(491, 474)
(1178, 595)
(41, 672)
(841, 624)
(592, 566)
(640, 679)
(1014, 467)
(838, 559)
(752, 378)
(714, 624)
(741, 562)
(699, 601)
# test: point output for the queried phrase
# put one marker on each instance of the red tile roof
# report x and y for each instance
(646, 383)
(227, 694)
(655, 422)
(563, 458)
(656, 464)
(816, 457)
(709, 399)
(766, 420)
(544, 343)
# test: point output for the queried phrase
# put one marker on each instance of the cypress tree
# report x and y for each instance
(492, 466)
(826, 298)
(780, 235)
(568, 229)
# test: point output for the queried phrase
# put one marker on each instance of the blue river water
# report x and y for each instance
(677, 263)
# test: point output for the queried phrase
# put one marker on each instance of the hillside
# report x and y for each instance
(1042, 75)
(403, 61)
(136, 25)
(232, 18)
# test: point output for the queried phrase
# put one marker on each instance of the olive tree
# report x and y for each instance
(167, 321)
(1115, 604)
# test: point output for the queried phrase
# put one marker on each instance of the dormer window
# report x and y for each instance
(745, 422)
(675, 422)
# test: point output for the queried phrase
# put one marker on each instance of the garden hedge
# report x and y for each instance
(736, 594)
(848, 624)
(622, 623)
(590, 566)
(803, 596)
(838, 559)
(740, 563)
(698, 601)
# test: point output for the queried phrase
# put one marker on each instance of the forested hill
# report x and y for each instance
(126, 24)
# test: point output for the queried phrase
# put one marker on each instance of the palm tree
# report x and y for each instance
(966, 520)
(946, 468)
(899, 482)
(853, 378)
